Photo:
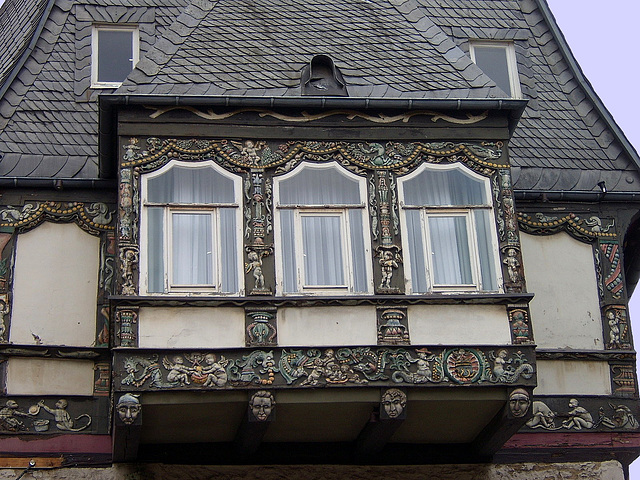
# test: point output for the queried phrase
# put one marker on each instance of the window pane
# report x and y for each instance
(450, 250)
(319, 186)
(288, 252)
(191, 185)
(358, 257)
(493, 62)
(115, 55)
(192, 249)
(487, 264)
(444, 187)
(228, 236)
(416, 252)
(322, 250)
(155, 257)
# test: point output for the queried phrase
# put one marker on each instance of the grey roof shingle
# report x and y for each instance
(384, 48)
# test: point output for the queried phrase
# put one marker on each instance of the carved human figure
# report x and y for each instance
(61, 416)
(543, 416)
(128, 408)
(215, 373)
(255, 264)
(579, 417)
(262, 404)
(394, 402)
(500, 363)
(512, 264)
(8, 420)
(4, 311)
(388, 263)
(178, 371)
(614, 327)
(519, 402)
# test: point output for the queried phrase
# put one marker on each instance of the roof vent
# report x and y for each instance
(322, 77)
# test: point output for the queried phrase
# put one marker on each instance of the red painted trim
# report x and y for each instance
(56, 444)
(572, 440)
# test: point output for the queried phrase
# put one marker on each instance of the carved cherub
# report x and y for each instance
(178, 372)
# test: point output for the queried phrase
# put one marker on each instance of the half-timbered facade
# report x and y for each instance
(337, 233)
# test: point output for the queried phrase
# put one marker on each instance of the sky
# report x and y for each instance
(604, 39)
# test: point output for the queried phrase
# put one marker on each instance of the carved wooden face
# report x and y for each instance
(128, 411)
(519, 403)
(393, 402)
(261, 407)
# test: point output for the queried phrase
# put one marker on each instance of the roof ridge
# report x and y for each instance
(416, 15)
(168, 44)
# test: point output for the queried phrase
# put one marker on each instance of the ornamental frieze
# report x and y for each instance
(94, 218)
(483, 157)
(580, 414)
(326, 367)
(581, 228)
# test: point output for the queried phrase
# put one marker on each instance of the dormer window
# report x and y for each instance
(322, 77)
(115, 51)
(498, 61)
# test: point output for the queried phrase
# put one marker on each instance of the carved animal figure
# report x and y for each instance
(543, 417)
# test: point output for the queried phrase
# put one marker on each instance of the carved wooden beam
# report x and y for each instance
(127, 426)
(504, 425)
(382, 424)
(260, 413)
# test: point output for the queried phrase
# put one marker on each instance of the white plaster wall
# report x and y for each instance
(191, 327)
(38, 376)
(458, 325)
(327, 326)
(55, 286)
(572, 377)
(565, 312)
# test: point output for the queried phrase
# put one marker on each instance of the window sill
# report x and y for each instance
(317, 300)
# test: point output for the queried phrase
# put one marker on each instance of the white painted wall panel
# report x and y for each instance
(195, 327)
(39, 376)
(327, 326)
(565, 312)
(458, 325)
(572, 377)
(55, 286)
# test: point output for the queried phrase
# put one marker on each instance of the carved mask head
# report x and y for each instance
(519, 402)
(128, 408)
(393, 402)
(261, 404)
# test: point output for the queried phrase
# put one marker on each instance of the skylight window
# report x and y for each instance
(498, 61)
(115, 51)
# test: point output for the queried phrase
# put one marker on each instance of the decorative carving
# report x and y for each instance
(548, 415)
(328, 367)
(102, 382)
(623, 379)
(613, 280)
(62, 418)
(513, 266)
(373, 156)
(36, 418)
(9, 421)
(128, 408)
(260, 327)
(393, 327)
(585, 230)
(255, 253)
(6, 258)
(129, 264)
(519, 402)
(93, 218)
(305, 117)
(389, 259)
(520, 326)
(262, 405)
(127, 326)
(394, 403)
(616, 328)
(5, 310)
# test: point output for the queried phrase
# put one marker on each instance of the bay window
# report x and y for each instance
(449, 239)
(321, 229)
(190, 220)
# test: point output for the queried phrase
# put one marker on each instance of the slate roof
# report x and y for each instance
(384, 48)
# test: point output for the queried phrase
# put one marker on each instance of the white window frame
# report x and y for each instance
(328, 210)
(466, 211)
(135, 38)
(171, 208)
(512, 64)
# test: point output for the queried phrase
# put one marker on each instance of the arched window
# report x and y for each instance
(190, 220)
(449, 230)
(322, 234)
